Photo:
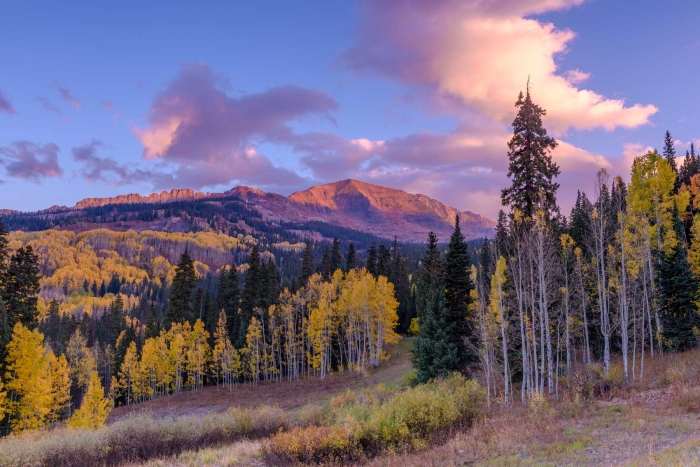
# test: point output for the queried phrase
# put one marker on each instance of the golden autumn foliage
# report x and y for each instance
(95, 407)
(67, 260)
(36, 380)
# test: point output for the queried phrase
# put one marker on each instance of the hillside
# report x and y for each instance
(349, 204)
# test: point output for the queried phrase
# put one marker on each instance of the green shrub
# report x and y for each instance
(137, 438)
(408, 420)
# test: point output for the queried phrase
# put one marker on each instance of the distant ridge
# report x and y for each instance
(385, 212)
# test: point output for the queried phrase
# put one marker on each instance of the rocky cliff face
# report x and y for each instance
(385, 212)
(162, 197)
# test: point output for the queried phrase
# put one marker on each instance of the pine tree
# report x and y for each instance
(458, 287)
(669, 154)
(372, 265)
(384, 261)
(227, 299)
(431, 271)
(307, 265)
(580, 222)
(531, 168)
(336, 257)
(434, 355)
(4, 255)
(351, 259)
(251, 295)
(678, 293)
(95, 407)
(22, 288)
(180, 304)
(326, 264)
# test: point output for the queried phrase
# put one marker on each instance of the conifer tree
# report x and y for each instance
(431, 271)
(307, 265)
(252, 294)
(678, 293)
(384, 261)
(326, 264)
(22, 288)
(372, 264)
(669, 153)
(227, 299)
(180, 304)
(531, 168)
(4, 255)
(351, 259)
(458, 287)
(336, 258)
(434, 355)
(95, 407)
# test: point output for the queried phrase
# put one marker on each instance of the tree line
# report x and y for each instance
(554, 295)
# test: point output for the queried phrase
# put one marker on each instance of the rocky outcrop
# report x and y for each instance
(162, 197)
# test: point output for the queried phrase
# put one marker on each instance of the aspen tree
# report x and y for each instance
(28, 380)
(95, 407)
(498, 308)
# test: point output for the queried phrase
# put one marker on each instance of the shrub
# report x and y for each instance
(371, 423)
(137, 438)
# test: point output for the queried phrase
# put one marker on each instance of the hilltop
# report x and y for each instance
(351, 204)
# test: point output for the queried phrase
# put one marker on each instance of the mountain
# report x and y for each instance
(351, 204)
(384, 212)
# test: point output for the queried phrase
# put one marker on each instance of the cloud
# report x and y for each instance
(47, 105)
(6, 105)
(107, 105)
(68, 97)
(211, 137)
(29, 161)
(480, 54)
(105, 169)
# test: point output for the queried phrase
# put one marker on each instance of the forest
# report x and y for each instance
(98, 319)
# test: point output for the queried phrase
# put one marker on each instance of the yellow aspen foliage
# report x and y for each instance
(129, 375)
(694, 250)
(197, 355)
(59, 372)
(254, 346)
(95, 407)
(3, 401)
(226, 361)
(81, 360)
(28, 380)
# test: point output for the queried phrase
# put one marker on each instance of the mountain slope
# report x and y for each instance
(384, 212)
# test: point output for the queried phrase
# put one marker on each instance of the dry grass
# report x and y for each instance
(241, 454)
(137, 438)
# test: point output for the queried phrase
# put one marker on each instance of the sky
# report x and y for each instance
(99, 99)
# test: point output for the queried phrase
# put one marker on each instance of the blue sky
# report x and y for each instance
(98, 100)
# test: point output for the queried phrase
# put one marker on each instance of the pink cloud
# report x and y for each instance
(211, 136)
(482, 53)
(68, 97)
(29, 161)
(6, 105)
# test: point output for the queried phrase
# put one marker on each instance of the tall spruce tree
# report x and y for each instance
(326, 264)
(4, 255)
(434, 354)
(458, 287)
(227, 299)
(180, 303)
(351, 259)
(251, 295)
(669, 154)
(402, 288)
(431, 270)
(22, 287)
(307, 265)
(336, 260)
(384, 261)
(372, 266)
(678, 293)
(531, 168)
